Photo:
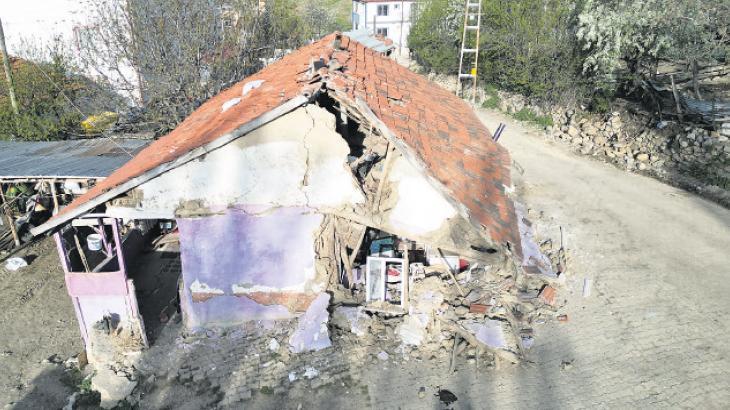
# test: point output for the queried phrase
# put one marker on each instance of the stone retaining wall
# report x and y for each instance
(693, 157)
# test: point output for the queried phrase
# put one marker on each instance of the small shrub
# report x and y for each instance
(528, 115)
(492, 101)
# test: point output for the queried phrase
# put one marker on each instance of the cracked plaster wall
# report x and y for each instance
(419, 207)
(298, 160)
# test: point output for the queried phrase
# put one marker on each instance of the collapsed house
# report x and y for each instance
(38, 177)
(333, 176)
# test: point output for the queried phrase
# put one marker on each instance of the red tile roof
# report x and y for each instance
(440, 128)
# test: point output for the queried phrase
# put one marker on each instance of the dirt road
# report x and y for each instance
(655, 329)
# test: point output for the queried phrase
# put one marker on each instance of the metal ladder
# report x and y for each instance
(472, 23)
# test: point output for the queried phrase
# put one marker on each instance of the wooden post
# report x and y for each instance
(405, 278)
(82, 254)
(6, 210)
(388, 163)
(676, 99)
(54, 194)
(8, 72)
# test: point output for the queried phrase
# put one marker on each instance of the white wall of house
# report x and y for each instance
(390, 18)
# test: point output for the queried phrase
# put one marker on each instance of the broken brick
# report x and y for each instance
(547, 295)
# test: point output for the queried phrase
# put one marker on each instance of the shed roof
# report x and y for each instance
(91, 158)
(439, 129)
(368, 40)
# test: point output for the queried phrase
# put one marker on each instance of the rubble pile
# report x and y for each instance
(466, 308)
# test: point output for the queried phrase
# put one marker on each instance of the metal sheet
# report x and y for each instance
(366, 39)
(92, 158)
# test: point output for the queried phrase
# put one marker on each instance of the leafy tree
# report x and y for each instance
(624, 39)
(526, 46)
(435, 36)
(43, 91)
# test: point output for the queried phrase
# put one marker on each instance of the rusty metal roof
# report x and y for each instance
(91, 158)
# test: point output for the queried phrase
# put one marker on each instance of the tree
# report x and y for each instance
(435, 36)
(172, 55)
(45, 91)
(624, 39)
(526, 46)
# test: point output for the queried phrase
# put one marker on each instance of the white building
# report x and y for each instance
(391, 18)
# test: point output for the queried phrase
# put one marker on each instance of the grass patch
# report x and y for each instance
(492, 101)
(266, 390)
(528, 115)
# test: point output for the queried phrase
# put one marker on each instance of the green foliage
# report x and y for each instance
(435, 36)
(622, 40)
(528, 115)
(44, 111)
(492, 101)
(526, 46)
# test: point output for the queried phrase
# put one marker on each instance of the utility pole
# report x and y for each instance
(8, 73)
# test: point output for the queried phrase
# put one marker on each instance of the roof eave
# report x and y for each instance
(224, 139)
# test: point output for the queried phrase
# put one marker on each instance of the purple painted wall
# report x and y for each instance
(273, 252)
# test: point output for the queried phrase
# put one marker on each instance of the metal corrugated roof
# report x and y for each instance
(366, 39)
(92, 158)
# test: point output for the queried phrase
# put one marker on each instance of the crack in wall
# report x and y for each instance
(305, 177)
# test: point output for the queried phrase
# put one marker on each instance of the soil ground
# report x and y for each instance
(653, 333)
(38, 332)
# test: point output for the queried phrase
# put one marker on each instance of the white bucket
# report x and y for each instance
(93, 242)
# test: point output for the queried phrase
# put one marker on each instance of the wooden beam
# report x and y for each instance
(405, 289)
(6, 210)
(456, 282)
(56, 207)
(82, 254)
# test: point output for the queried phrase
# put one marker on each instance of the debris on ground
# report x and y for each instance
(13, 264)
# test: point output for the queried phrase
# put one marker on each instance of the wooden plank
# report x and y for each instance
(456, 282)
(82, 254)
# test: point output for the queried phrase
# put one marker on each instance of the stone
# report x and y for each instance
(312, 332)
(413, 329)
(573, 131)
(383, 356)
(642, 157)
(461, 310)
(642, 166)
(111, 387)
(352, 319)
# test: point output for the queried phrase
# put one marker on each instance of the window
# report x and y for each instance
(383, 31)
(383, 10)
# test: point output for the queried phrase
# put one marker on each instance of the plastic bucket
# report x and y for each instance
(93, 242)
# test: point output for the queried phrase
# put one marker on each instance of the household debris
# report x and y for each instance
(15, 263)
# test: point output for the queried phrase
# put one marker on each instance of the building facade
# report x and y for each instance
(389, 18)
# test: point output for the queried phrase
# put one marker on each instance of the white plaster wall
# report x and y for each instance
(398, 20)
(297, 160)
(420, 208)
